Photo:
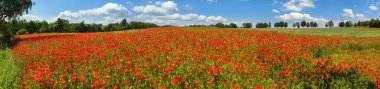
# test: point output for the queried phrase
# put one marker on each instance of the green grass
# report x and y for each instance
(338, 32)
(8, 70)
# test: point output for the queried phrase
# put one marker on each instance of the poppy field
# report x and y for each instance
(195, 58)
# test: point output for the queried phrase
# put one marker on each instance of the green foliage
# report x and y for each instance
(303, 24)
(342, 24)
(281, 24)
(220, 25)
(22, 32)
(296, 25)
(247, 25)
(8, 71)
(11, 9)
(233, 25)
(262, 25)
(5, 35)
(330, 24)
(349, 24)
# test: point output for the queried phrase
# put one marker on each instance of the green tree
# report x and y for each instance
(247, 25)
(331, 24)
(124, 24)
(220, 25)
(349, 24)
(11, 9)
(303, 24)
(233, 25)
(342, 24)
(61, 25)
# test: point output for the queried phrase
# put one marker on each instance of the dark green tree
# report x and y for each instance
(303, 24)
(247, 25)
(342, 24)
(349, 24)
(233, 25)
(220, 25)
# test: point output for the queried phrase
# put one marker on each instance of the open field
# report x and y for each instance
(199, 57)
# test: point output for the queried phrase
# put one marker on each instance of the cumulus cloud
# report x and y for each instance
(169, 14)
(161, 8)
(298, 5)
(179, 19)
(349, 14)
(296, 16)
(361, 17)
(30, 17)
(374, 8)
(275, 11)
(108, 13)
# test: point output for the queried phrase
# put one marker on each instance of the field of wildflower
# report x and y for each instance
(195, 58)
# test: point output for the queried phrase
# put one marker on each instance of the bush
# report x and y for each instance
(22, 31)
(5, 36)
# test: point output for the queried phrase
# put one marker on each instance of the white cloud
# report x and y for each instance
(30, 17)
(374, 8)
(298, 5)
(168, 13)
(296, 16)
(180, 19)
(275, 11)
(361, 17)
(108, 13)
(348, 13)
(216, 19)
(161, 8)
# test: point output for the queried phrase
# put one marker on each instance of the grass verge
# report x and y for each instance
(8, 70)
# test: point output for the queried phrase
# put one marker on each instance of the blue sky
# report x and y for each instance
(184, 12)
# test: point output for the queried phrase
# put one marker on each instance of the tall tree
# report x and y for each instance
(342, 24)
(303, 23)
(233, 25)
(349, 24)
(124, 24)
(220, 25)
(331, 24)
(11, 9)
(247, 25)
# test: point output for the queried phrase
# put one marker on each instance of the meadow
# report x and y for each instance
(196, 58)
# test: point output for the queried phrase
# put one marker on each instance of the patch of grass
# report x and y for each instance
(8, 70)
(340, 32)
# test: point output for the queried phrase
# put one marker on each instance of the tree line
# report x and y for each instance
(263, 25)
(64, 26)
(374, 23)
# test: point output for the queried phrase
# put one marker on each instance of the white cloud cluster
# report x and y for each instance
(373, 8)
(168, 13)
(349, 14)
(163, 8)
(108, 13)
(298, 5)
(296, 16)
(275, 11)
